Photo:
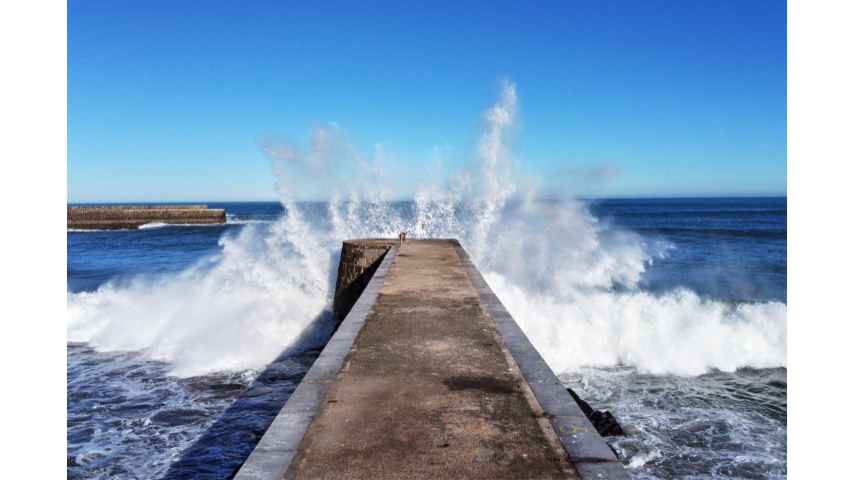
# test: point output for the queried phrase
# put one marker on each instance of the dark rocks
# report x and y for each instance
(604, 422)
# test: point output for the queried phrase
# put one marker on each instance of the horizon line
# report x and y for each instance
(542, 198)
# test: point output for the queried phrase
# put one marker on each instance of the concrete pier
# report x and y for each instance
(359, 261)
(430, 377)
(132, 216)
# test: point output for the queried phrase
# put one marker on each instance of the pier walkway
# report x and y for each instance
(430, 377)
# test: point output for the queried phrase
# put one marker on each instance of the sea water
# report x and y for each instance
(185, 341)
(715, 290)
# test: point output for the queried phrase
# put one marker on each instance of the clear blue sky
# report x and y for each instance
(166, 99)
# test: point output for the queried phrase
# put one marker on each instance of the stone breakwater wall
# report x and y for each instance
(359, 260)
(132, 216)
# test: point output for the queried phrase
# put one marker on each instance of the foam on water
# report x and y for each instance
(162, 224)
(672, 333)
(127, 418)
(716, 425)
(258, 297)
(569, 279)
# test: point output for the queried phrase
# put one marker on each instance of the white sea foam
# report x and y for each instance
(153, 225)
(569, 279)
(673, 333)
(146, 226)
(162, 224)
(234, 220)
(239, 314)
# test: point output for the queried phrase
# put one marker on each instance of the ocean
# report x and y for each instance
(185, 341)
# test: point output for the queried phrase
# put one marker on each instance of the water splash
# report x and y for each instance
(570, 280)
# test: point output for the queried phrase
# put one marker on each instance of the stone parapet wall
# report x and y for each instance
(359, 260)
(132, 216)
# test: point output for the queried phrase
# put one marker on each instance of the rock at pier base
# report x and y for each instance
(604, 422)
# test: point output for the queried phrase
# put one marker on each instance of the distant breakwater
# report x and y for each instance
(132, 216)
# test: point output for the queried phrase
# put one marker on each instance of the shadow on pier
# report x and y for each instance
(223, 448)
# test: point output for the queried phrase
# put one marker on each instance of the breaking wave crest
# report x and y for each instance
(570, 279)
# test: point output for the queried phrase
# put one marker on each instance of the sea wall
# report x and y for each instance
(417, 379)
(359, 260)
(132, 216)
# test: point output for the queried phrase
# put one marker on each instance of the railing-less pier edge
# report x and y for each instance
(273, 454)
(586, 448)
(271, 459)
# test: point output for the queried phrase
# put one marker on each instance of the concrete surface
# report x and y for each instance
(588, 451)
(429, 376)
(359, 261)
(273, 454)
(429, 389)
(132, 216)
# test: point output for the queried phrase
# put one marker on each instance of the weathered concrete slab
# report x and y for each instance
(279, 444)
(429, 376)
(591, 456)
(429, 389)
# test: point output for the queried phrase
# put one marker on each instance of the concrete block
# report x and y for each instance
(348, 330)
(371, 292)
(359, 310)
(521, 348)
(324, 369)
(513, 335)
(356, 315)
(498, 310)
(354, 320)
(265, 466)
(556, 401)
(307, 397)
(337, 348)
(500, 320)
(602, 471)
(581, 440)
(529, 360)
(538, 373)
(489, 298)
(285, 433)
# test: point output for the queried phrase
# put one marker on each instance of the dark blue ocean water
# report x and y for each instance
(723, 248)
(129, 418)
(96, 257)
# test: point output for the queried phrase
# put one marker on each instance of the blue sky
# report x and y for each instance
(167, 100)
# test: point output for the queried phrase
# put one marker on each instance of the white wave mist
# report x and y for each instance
(259, 296)
(570, 280)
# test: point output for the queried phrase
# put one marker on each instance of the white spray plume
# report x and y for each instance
(569, 279)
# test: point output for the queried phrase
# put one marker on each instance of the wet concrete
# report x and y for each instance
(429, 388)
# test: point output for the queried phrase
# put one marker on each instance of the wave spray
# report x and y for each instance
(570, 280)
